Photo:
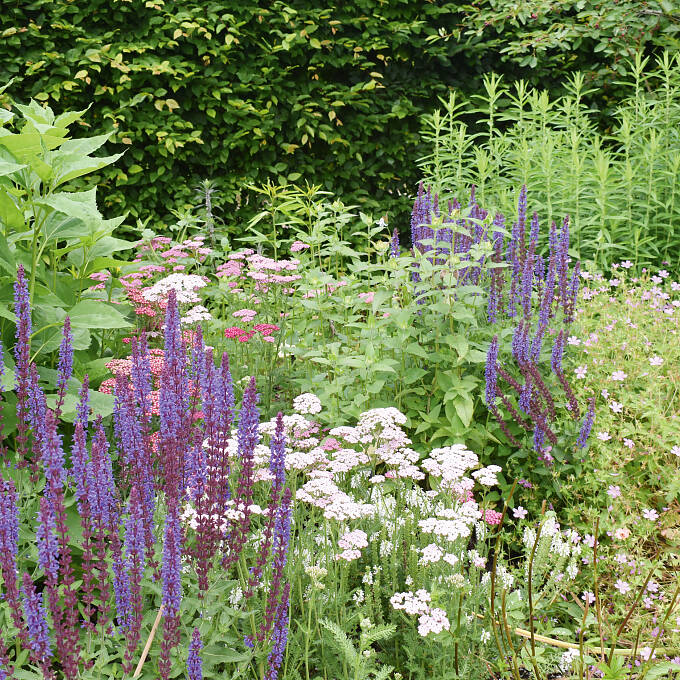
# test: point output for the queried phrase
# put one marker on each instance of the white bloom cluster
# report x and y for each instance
(185, 285)
(195, 315)
(307, 403)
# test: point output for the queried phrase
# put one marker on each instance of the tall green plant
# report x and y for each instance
(56, 233)
(620, 188)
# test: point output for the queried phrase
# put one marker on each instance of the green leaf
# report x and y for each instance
(73, 165)
(97, 314)
(464, 408)
(10, 215)
(8, 168)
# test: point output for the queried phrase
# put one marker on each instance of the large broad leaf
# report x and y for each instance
(58, 227)
(96, 314)
(7, 261)
(85, 146)
(5, 116)
(68, 117)
(10, 216)
(78, 215)
(36, 113)
(8, 168)
(70, 166)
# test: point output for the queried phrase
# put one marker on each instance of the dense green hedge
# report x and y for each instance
(243, 91)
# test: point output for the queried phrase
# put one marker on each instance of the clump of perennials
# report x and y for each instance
(185, 454)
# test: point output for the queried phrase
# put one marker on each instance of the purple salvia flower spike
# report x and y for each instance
(65, 369)
(279, 636)
(557, 353)
(46, 536)
(394, 244)
(587, 425)
(194, 663)
(491, 372)
(36, 622)
(22, 358)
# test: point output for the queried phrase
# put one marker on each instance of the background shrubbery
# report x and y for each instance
(245, 91)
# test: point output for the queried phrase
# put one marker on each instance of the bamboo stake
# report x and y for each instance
(572, 645)
(147, 646)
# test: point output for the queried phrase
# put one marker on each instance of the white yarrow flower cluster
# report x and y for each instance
(307, 403)
(185, 285)
(196, 315)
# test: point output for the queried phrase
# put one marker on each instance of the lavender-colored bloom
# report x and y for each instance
(83, 408)
(520, 342)
(557, 353)
(562, 259)
(36, 620)
(46, 535)
(194, 663)
(280, 550)
(65, 363)
(279, 636)
(524, 401)
(121, 591)
(533, 232)
(394, 244)
(22, 310)
(53, 456)
(572, 294)
(99, 480)
(522, 215)
(587, 425)
(539, 437)
(525, 290)
(37, 409)
(277, 448)
(491, 372)
(171, 568)
(9, 524)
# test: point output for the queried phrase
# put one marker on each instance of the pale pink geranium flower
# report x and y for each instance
(573, 340)
(622, 534)
(581, 371)
(588, 597)
(604, 436)
(626, 264)
(618, 375)
(616, 406)
(628, 443)
(622, 586)
(650, 514)
(519, 512)
(676, 451)
(614, 491)
(655, 360)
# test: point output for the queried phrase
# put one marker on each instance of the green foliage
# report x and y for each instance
(247, 91)
(58, 235)
(621, 189)
(552, 36)
(240, 91)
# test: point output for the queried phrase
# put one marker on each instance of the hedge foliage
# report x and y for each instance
(286, 89)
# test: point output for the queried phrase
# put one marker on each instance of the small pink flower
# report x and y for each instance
(614, 491)
(622, 534)
(618, 375)
(519, 512)
(622, 587)
(297, 246)
(580, 372)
